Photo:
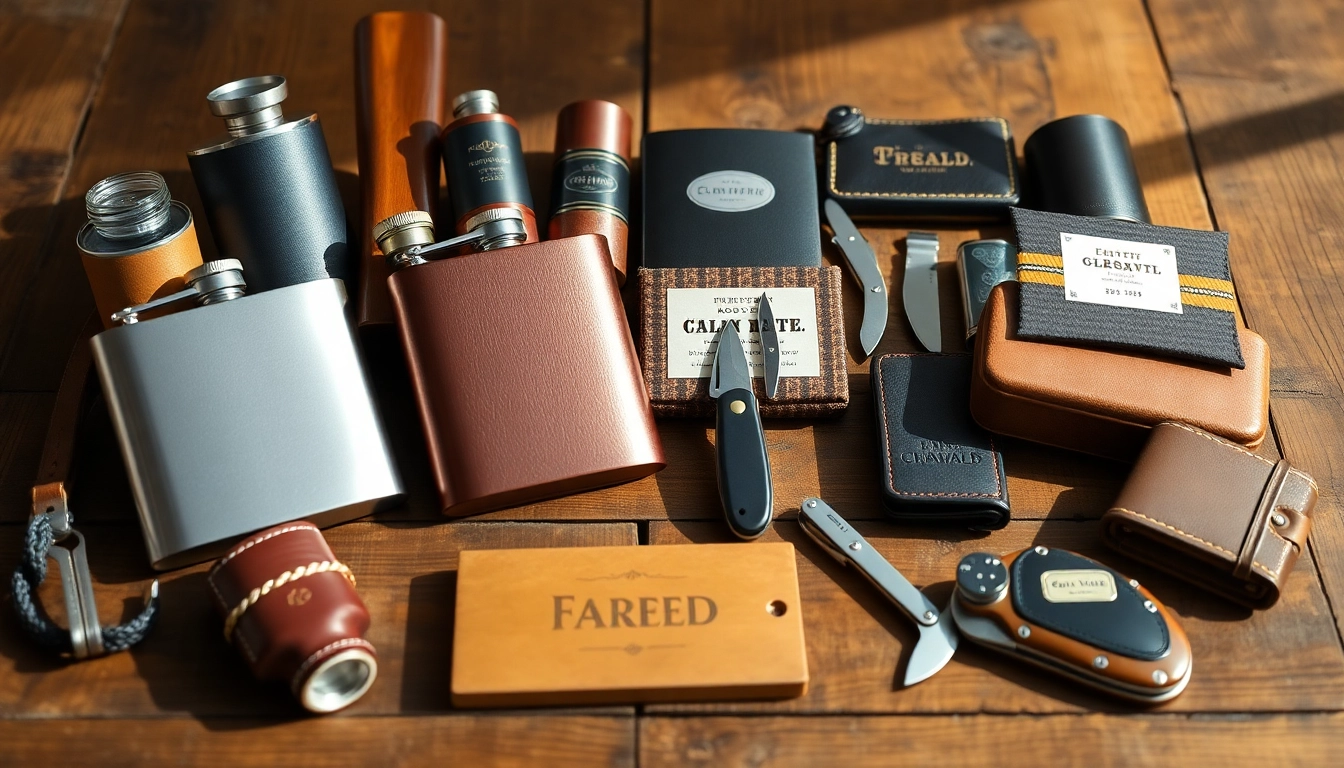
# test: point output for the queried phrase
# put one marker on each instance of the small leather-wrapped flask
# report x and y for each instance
(291, 609)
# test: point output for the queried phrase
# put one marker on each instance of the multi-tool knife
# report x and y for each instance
(937, 634)
(862, 265)
(739, 440)
(1073, 616)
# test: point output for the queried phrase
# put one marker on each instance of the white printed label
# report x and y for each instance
(1078, 585)
(731, 191)
(1120, 273)
(695, 316)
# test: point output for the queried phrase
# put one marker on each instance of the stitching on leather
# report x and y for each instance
(1291, 470)
(1254, 564)
(249, 544)
(1003, 130)
(891, 466)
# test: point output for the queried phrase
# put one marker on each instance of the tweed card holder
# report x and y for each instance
(1136, 263)
(671, 393)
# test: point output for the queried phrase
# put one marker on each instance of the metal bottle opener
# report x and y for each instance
(937, 635)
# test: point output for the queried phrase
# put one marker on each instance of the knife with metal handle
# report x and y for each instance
(739, 441)
(937, 632)
(862, 263)
(919, 291)
(765, 319)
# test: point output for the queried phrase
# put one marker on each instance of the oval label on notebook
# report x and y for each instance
(731, 191)
(1078, 585)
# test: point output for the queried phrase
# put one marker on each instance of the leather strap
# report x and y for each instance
(58, 451)
(1268, 500)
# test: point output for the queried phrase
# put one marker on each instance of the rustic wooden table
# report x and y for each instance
(1236, 113)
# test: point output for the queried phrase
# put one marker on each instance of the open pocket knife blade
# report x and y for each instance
(765, 320)
(862, 263)
(937, 633)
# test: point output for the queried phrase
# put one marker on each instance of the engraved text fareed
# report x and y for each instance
(691, 611)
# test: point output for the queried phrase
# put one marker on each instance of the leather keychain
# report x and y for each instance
(51, 534)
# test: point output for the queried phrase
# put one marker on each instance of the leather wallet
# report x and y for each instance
(1214, 514)
(730, 197)
(1105, 401)
(938, 465)
(964, 169)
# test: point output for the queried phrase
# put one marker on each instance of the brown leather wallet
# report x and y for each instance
(1105, 401)
(1213, 513)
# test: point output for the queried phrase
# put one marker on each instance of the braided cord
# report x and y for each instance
(312, 569)
(30, 574)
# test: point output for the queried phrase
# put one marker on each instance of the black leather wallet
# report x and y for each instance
(938, 465)
(963, 169)
(730, 197)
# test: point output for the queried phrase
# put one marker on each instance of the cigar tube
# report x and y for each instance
(1082, 165)
(483, 157)
(269, 189)
(401, 71)
(137, 243)
(590, 185)
(291, 609)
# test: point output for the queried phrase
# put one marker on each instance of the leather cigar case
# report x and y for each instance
(938, 465)
(1104, 401)
(1214, 514)
(401, 105)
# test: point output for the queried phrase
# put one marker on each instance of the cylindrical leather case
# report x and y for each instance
(526, 376)
(590, 185)
(401, 71)
(291, 609)
(271, 198)
(483, 157)
(1082, 165)
(137, 244)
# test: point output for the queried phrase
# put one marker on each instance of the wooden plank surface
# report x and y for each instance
(1261, 87)
(507, 739)
(1092, 740)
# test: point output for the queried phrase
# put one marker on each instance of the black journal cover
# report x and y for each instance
(728, 197)
(938, 465)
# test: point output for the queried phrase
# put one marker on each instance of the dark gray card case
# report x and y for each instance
(730, 197)
(938, 466)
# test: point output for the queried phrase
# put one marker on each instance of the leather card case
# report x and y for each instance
(1093, 280)
(938, 465)
(683, 310)
(728, 197)
(630, 624)
(1105, 401)
(1213, 514)
(963, 169)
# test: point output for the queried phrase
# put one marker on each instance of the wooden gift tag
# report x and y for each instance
(588, 625)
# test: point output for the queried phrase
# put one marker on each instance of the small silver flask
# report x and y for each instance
(242, 413)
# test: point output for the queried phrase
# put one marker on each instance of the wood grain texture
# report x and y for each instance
(52, 60)
(1093, 740)
(1260, 84)
(407, 578)
(858, 642)
(331, 742)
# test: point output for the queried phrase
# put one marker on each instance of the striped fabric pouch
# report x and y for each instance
(1162, 290)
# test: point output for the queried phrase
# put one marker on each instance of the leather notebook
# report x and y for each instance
(729, 197)
(1105, 401)
(938, 465)
(964, 169)
(603, 625)
(1214, 514)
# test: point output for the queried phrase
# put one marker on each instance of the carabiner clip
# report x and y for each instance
(65, 545)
